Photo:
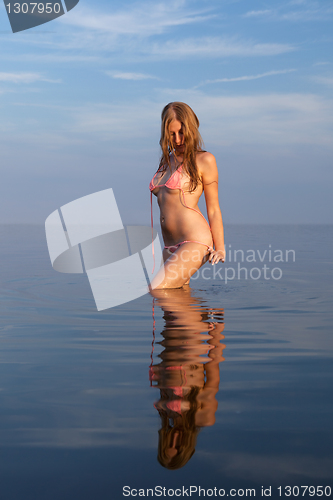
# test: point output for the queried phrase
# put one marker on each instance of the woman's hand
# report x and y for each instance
(216, 255)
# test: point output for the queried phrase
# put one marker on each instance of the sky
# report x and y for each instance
(81, 98)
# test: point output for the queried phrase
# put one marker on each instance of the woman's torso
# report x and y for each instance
(178, 221)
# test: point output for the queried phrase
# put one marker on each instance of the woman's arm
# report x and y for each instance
(209, 174)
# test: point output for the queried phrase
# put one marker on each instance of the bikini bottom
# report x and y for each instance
(173, 248)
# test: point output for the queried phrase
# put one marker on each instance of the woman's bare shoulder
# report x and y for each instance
(206, 163)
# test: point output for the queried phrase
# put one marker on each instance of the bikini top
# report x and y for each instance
(174, 181)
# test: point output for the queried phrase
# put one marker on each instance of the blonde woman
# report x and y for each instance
(186, 171)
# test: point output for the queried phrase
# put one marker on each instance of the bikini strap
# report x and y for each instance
(152, 228)
(193, 208)
(151, 184)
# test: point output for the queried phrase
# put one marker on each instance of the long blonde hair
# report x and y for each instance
(192, 139)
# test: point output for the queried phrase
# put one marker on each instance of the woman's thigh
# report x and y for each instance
(180, 265)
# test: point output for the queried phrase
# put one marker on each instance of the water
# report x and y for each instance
(240, 372)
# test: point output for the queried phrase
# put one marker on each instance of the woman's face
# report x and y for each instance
(177, 136)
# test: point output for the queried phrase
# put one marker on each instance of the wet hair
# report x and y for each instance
(192, 139)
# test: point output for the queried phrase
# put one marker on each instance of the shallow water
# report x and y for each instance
(239, 371)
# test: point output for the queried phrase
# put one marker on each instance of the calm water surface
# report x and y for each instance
(225, 385)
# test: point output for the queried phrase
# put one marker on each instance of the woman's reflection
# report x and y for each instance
(188, 372)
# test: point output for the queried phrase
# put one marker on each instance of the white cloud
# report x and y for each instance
(321, 14)
(247, 77)
(125, 33)
(130, 76)
(25, 78)
(307, 11)
(102, 46)
(258, 13)
(145, 19)
(325, 80)
(298, 2)
(263, 119)
(322, 63)
(58, 58)
(214, 47)
(119, 122)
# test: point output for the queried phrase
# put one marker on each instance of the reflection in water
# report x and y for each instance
(187, 373)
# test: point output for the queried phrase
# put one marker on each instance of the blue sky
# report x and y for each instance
(81, 96)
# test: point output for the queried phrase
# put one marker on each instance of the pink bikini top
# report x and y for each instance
(174, 182)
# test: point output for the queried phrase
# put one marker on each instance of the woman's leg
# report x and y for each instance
(180, 265)
(167, 252)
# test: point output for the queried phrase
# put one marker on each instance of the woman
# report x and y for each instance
(184, 173)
